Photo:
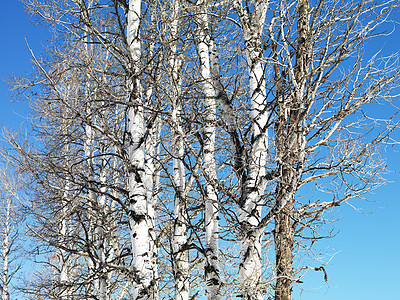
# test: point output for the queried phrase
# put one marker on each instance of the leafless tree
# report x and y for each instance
(167, 131)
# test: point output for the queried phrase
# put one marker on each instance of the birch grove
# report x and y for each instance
(172, 142)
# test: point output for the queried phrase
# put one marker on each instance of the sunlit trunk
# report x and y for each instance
(100, 241)
(5, 250)
(63, 258)
(250, 207)
(180, 251)
(141, 211)
(213, 282)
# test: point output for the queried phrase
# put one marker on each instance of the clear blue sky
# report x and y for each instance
(366, 265)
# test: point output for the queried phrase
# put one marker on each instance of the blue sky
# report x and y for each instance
(14, 56)
(365, 263)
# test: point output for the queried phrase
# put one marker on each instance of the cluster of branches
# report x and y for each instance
(172, 142)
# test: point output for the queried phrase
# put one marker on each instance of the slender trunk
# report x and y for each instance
(151, 202)
(213, 282)
(5, 250)
(64, 263)
(250, 207)
(180, 252)
(93, 201)
(284, 231)
(96, 201)
(151, 152)
(97, 205)
(100, 242)
(141, 211)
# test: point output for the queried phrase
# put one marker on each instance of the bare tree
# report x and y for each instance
(157, 120)
(316, 135)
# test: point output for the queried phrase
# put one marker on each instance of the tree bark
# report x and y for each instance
(140, 207)
(213, 281)
(289, 150)
(179, 242)
(284, 241)
(5, 250)
(250, 207)
(64, 263)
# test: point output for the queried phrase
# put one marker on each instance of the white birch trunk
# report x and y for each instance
(63, 263)
(98, 206)
(100, 242)
(92, 196)
(150, 169)
(63, 259)
(151, 201)
(180, 254)
(5, 251)
(250, 209)
(97, 202)
(213, 282)
(141, 212)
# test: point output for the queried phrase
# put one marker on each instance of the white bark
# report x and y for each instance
(150, 168)
(250, 210)
(5, 250)
(213, 282)
(180, 254)
(100, 242)
(141, 212)
(97, 202)
(64, 264)
(247, 158)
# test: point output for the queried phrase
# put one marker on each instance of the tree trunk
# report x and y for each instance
(5, 250)
(180, 251)
(213, 282)
(140, 207)
(250, 210)
(64, 263)
(289, 146)
(287, 142)
(100, 241)
(250, 207)
(284, 240)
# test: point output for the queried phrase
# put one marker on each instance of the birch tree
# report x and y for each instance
(180, 251)
(87, 242)
(303, 56)
(10, 229)
(141, 215)
(213, 282)
(252, 25)
(136, 152)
